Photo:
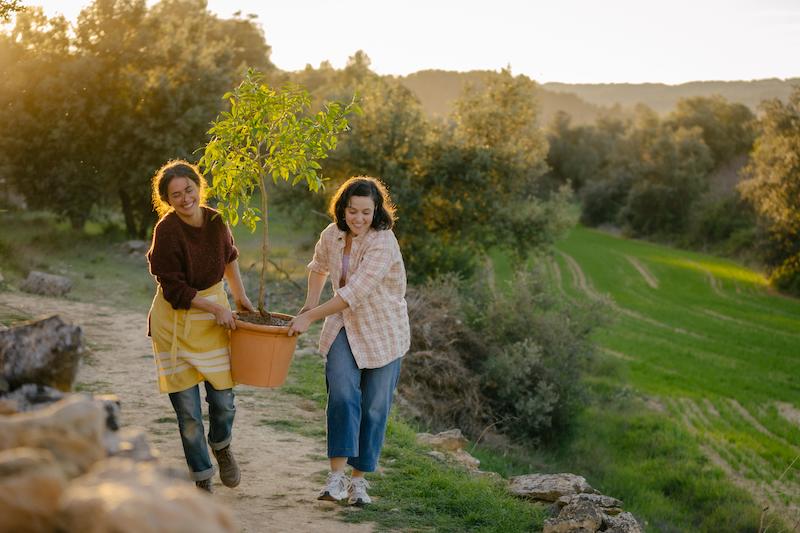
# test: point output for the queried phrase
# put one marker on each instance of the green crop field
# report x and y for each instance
(708, 345)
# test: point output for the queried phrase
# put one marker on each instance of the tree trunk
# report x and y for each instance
(262, 283)
(127, 212)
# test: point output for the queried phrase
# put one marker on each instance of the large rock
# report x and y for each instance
(607, 504)
(31, 483)
(46, 352)
(451, 440)
(124, 496)
(623, 523)
(580, 516)
(548, 487)
(46, 284)
(72, 429)
(29, 397)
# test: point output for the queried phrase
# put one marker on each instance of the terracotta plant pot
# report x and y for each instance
(261, 355)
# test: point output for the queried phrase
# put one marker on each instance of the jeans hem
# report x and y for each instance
(355, 464)
(205, 474)
(217, 446)
(342, 453)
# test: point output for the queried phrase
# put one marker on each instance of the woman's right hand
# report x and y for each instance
(224, 317)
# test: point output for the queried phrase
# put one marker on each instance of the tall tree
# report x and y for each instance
(773, 187)
(135, 86)
(727, 128)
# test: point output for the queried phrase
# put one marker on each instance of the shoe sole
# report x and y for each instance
(328, 497)
(359, 503)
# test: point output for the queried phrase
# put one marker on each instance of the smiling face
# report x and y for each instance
(358, 214)
(183, 195)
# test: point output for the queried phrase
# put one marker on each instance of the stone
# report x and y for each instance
(607, 504)
(124, 496)
(135, 247)
(130, 443)
(548, 487)
(30, 397)
(439, 456)
(46, 352)
(113, 407)
(45, 284)
(464, 458)
(450, 440)
(623, 523)
(31, 484)
(72, 429)
(580, 515)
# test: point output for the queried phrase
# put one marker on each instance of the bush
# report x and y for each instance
(537, 345)
(511, 357)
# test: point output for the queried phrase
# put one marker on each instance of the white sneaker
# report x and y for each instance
(358, 492)
(335, 487)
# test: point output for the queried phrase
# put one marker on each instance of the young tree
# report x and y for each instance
(773, 187)
(267, 135)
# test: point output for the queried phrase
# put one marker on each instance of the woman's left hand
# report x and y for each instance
(244, 304)
(299, 324)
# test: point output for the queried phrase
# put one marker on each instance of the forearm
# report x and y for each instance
(316, 282)
(234, 278)
(332, 306)
(204, 304)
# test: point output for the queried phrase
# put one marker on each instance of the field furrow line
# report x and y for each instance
(745, 414)
(648, 276)
(759, 327)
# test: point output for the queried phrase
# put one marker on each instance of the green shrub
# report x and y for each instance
(511, 356)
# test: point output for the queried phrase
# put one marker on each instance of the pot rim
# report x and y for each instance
(263, 328)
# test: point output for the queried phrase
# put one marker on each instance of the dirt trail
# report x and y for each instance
(281, 471)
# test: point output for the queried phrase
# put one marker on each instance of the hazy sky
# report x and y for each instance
(573, 41)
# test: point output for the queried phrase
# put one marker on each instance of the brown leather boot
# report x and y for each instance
(228, 469)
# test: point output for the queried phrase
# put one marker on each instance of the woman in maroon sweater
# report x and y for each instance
(192, 251)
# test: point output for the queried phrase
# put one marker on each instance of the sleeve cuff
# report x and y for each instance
(315, 266)
(346, 294)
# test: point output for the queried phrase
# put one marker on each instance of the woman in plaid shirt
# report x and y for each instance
(366, 331)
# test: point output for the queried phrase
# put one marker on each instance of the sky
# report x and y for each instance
(570, 41)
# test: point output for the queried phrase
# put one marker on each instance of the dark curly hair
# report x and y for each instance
(384, 215)
(177, 168)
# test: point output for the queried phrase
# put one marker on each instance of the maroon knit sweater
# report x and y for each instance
(185, 259)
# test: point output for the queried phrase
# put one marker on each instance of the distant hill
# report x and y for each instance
(438, 89)
(663, 97)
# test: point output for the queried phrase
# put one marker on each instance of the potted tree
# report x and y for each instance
(268, 134)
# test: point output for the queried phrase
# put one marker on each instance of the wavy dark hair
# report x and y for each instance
(177, 168)
(384, 215)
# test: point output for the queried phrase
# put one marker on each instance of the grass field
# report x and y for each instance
(712, 358)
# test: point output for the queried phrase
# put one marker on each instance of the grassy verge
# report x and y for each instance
(414, 491)
(683, 424)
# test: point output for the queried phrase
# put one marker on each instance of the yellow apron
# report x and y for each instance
(188, 344)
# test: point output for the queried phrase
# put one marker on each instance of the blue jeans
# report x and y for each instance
(358, 405)
(190, 423)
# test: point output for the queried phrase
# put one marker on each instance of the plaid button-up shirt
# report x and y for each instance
(376, 319)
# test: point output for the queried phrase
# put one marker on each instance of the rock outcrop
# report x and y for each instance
(45, 284)
(66, 462)
(43, 352)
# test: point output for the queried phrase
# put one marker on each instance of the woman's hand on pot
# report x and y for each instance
(299, 324)
(224, 317)
(244, 304)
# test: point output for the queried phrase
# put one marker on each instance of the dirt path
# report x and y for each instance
(281, 471)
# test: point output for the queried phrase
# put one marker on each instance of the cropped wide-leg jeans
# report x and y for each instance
(359, 401)
(221, 411)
